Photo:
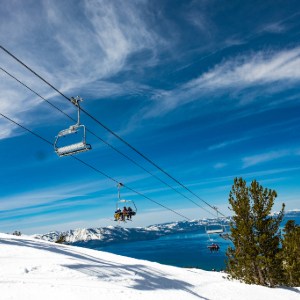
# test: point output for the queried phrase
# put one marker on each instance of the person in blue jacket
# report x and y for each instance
(117, 214)
(129, 210)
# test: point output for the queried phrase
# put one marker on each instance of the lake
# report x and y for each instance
(180, 250)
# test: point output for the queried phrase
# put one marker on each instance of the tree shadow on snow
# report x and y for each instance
(52, 248)
(138, 276)
(292, 289)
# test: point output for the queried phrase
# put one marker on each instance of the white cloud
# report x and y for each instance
(256, 70)
(264, 157)
(72, 49)
(219, 165)
(227, 143)
(275, 28)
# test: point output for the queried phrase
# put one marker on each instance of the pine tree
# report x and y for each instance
(291, 253)
(255, 257)
(267, 233)
(17, 233)
(241, 259)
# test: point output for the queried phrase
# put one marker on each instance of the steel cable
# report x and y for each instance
(96, 169)
(105, 141)
(110, 131)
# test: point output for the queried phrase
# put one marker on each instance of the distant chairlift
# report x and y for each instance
(216, 227)
(77, 128)
(133, 213)
(226, 234)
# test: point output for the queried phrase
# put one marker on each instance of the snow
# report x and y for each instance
(103, 236)
(36, 269)
(294, 213)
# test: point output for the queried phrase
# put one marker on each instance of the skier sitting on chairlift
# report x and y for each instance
(124, 213)
(212, 247)
(129, 210)
(117, 214)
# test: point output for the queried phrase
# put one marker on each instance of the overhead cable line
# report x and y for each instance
(109, 129)
(105, 141)
(97, 169)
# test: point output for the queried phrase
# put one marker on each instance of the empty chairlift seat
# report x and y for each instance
(75, 148)
(212, 231)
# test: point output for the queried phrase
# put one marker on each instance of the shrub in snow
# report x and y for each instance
(17, 233)
(62, 240)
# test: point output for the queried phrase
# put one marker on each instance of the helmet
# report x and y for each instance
(118, 208)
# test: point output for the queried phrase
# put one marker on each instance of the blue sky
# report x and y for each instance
(208, 90)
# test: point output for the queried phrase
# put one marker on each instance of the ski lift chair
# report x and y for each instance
(213, 229)
(77, 128)
(133, 213)
(226, 235)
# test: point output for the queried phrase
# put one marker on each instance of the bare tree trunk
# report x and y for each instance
(270, 278)
(291, 279)
(261, 277)
(254, 271)
(272, 283)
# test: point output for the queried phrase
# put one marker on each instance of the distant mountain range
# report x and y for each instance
(103, 236)
(289, 214)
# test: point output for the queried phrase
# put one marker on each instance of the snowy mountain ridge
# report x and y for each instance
(103, 236)
(289, 213)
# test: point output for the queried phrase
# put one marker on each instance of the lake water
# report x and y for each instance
(180, 250)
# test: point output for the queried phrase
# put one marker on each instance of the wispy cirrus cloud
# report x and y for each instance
(257, 70)
(227, 143)
(220, 165)
(269, 156)
(76, 48)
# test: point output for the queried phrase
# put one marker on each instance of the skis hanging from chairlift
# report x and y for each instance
(120, 215)
(77, 128)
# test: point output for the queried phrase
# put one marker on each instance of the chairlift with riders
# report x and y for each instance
(119, 214)
(77, 128)
(216, 227)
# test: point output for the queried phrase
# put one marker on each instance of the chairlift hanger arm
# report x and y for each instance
(123, 201)
(75, 101)
(118, 186)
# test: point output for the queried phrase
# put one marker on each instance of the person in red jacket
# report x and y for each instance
(125, 213)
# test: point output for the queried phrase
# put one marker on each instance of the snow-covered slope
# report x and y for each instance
(103, 236)
(35, 269)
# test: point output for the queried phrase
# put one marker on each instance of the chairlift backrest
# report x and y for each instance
(215, 231)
